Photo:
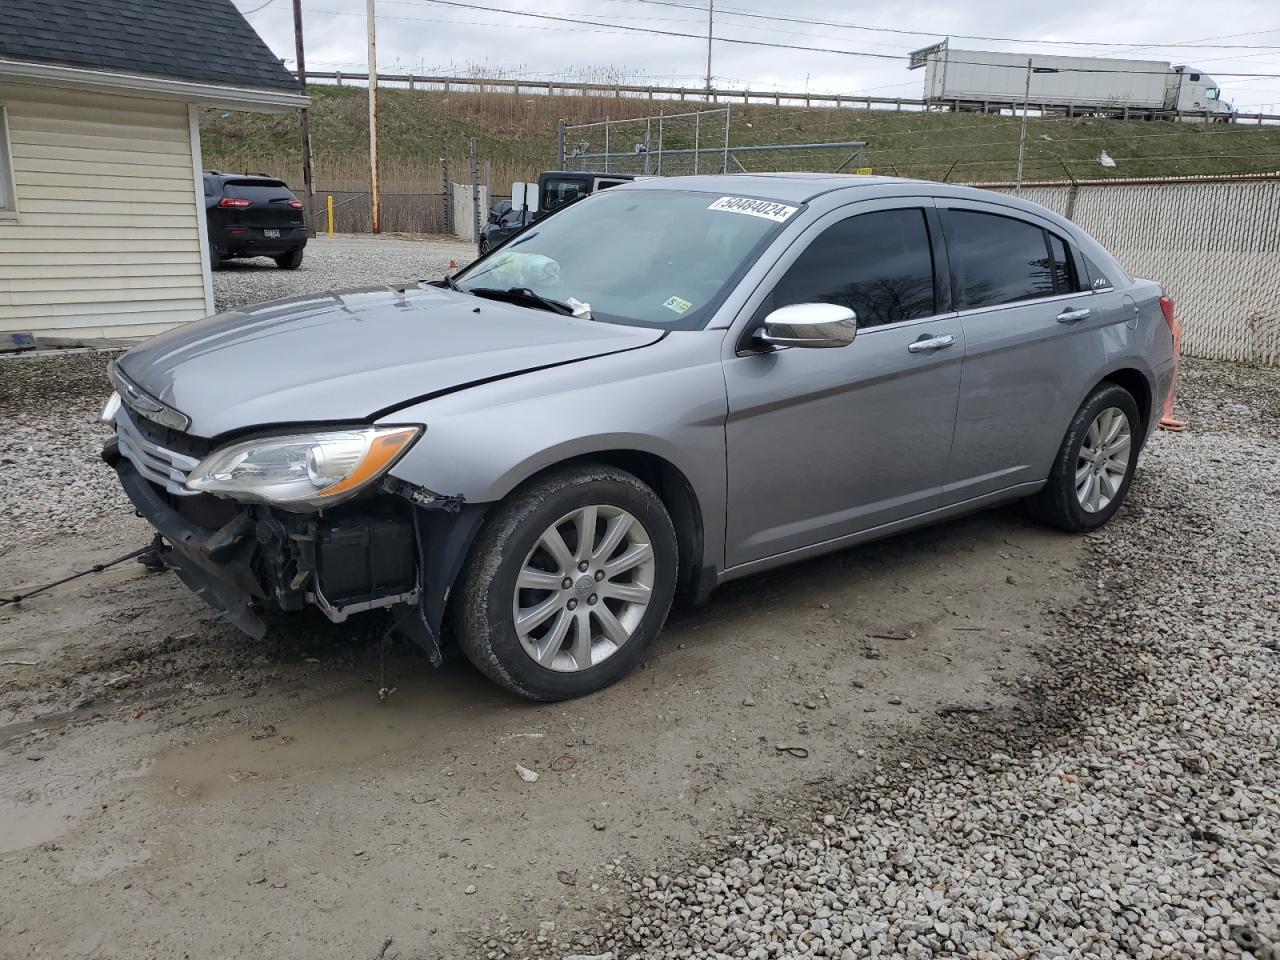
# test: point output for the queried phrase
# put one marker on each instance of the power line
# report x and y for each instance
(780, 46)
(962, 36)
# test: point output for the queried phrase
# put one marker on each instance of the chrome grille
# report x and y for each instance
(165, 468)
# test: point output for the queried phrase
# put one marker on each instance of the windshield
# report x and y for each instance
(653, 258)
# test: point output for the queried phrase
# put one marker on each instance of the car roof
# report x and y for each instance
(224, 177)
(805, 187)
(782, 187)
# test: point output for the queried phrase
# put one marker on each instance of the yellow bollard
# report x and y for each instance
(329, 205)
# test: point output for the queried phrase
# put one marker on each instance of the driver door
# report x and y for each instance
(827, 443)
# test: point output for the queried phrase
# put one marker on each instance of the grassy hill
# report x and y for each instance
(516, 137)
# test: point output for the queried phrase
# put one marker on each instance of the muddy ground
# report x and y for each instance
(171, 788)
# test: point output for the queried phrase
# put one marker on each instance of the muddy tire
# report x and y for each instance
(1094, 467)
(567, 584)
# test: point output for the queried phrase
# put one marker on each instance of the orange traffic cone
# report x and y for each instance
(1167, 420)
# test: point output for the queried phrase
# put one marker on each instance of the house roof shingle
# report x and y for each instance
(202, 41)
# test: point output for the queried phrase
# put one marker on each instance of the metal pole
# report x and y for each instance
(711, 16)
(606, 144)
(304, 128)
(726, 140)
(560, 145)
(375, 187)
(475, 195)
(697, 122)
(1022, 133)
(648, 133)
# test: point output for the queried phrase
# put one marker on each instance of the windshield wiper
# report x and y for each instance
(523, 295)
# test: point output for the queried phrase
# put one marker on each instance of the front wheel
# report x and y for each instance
(484, 246)
(569, 581)
(1095, 464)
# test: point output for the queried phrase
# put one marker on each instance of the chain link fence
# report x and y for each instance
(679, 144)
(1214, 243)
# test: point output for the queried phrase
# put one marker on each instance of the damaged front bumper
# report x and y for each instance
(396, 547)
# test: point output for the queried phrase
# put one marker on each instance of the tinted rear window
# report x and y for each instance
(259, 191)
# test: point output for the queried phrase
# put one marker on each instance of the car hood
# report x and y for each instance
(353, 354)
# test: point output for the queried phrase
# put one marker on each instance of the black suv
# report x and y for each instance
(253, 215)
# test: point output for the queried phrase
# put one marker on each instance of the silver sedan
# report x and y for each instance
(653, 391)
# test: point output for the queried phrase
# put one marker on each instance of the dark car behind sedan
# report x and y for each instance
(252, 215)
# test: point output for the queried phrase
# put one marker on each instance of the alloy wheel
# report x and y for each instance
(1103, 460)
(584, 588)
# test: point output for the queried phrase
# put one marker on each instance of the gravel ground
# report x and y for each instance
(1129, 810)
(347, 261)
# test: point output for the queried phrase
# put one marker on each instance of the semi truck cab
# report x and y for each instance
(1193, 90)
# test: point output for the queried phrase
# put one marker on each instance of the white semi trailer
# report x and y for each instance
(987, 79)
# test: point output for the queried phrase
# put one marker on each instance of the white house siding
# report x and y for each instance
(107, 240)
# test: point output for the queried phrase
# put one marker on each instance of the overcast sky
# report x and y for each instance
(427, 37)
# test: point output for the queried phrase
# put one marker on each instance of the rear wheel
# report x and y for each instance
(484, 246)
(1095, 464)
(216, 259)
(568, 583)
(290, 261)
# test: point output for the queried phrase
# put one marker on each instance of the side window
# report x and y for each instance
(1097, 279)
(8, 195)
(997, 259)
(1064, 268)
(878, 264)
(560, 192)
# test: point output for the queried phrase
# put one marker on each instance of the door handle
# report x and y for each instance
(927, 343)
(1071, 316)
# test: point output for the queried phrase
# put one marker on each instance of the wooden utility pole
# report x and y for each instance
(309, 188)
(375, 190)
(1022, 133)
(711, 16)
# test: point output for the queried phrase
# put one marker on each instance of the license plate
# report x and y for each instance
(271, 234)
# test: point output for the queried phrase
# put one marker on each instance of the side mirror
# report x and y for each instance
(809, 325)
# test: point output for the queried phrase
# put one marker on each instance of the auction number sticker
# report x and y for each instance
(678, 304)
(777, 212)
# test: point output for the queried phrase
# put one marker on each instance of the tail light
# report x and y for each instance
(1166, 307)
(296, 204)
(236, 203)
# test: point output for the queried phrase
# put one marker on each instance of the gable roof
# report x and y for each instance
(201, 41)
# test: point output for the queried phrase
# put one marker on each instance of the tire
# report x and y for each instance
(1060, 503)
(484, 246)
(289, 261)
(510, 546)
(216, 259)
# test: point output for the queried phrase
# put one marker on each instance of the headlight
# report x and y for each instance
(111, 408)
(304, 471)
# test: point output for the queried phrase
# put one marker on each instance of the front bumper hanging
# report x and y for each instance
(394, 549)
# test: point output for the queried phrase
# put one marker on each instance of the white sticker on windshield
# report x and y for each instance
(778, 212)
(678, 304)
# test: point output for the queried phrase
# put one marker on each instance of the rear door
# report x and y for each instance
(1035, 337)
(827, 443)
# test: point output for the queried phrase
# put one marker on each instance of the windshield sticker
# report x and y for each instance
(678, 304)
(777, 212)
